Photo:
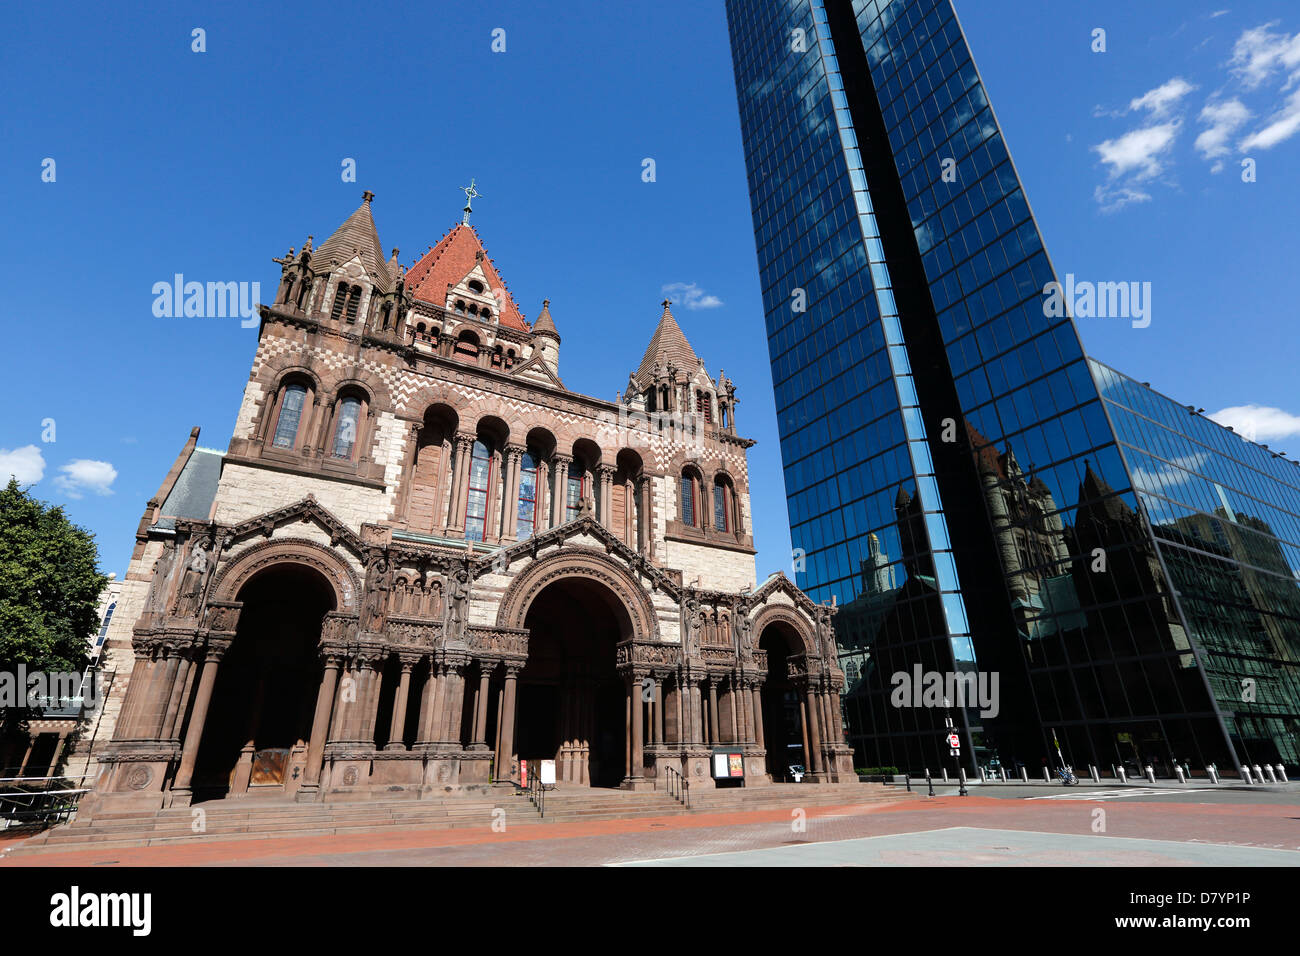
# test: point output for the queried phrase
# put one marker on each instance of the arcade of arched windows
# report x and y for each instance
(321, 426)
(483, 483)
(707, 506)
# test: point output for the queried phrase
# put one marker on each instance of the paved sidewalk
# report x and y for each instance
(1132, 834)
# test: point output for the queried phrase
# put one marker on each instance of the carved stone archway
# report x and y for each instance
(589, 564)
(800, 625)
(232, 576)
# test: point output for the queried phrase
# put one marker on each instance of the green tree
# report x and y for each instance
(49, 585)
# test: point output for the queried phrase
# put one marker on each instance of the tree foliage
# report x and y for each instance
(49, 585)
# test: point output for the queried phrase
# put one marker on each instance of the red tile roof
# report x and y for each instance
(453, 258)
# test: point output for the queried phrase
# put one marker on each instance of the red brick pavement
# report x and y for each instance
(582, 843)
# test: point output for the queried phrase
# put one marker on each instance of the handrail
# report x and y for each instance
(537, 793)
(40, 806)
(678, 787)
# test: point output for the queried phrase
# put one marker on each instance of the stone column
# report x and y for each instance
(803, 729)
(152, 714)
(194, 734)
(697, 712)
(713, 711)
(659, 711)
(430, 701)
(402, 511)
(464, 450)
(542, 506)
(627, 730)
(758, 715)
(496, 491)
(505, 753)
(562, 463)
(733, 706)
(137, 693)
(638, 732)
(320, 721)
(629, 514)
(480, 707)
(180, 690)
(454, 704)
(605, 474)
(514, 455)
(683, 734)
(814, 734)
(397, 728)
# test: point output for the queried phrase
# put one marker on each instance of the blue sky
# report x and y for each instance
(208, 164)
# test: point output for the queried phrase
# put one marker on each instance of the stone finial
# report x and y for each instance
(367, 196)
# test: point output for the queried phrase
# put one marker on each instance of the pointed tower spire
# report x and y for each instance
(669, 347)
(546, 341)
(356, 237)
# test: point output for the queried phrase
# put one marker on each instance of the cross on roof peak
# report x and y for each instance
(470, 195)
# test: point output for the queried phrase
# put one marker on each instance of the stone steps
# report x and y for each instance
(250, 820)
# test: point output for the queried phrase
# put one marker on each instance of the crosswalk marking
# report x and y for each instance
(1115, 794)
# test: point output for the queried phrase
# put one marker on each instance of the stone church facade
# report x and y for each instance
(423, 564)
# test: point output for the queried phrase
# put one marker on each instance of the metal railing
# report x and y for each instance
(678, 787)
(41, 801)
(537, 793)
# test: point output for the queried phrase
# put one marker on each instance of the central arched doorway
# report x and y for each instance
(787, 750)
(572, 702)
(265, 691)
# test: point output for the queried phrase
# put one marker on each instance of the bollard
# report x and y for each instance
(1151, 774)
(1047, 775)
(1268, 769)
(1004, 774)
(984, 777)
(1213, 773)
(1245, 774)
(907, 779)
(1179, 770)
(1259, 774)
(1024, 774)
(1123, 777)
(1281, 772)
(945, 774)
(929, 782)
(1096, 774)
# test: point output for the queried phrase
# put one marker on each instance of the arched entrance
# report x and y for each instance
(782, 726)
(265, 693)
(572, 701)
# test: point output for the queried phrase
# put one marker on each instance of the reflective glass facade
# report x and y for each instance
(1225, 518)
(953, 478)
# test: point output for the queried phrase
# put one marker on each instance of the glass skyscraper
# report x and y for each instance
(984, 505)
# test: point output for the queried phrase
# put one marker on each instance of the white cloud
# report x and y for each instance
(82, 474)
(1113, 198)
(1218, 13)
(1259, 422)
(1164, 477)
(1163, 97)
(1139, 151)
(27, 464)
(1221, 121)
(691, 295)
(1259, 53)
(1281, 126)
